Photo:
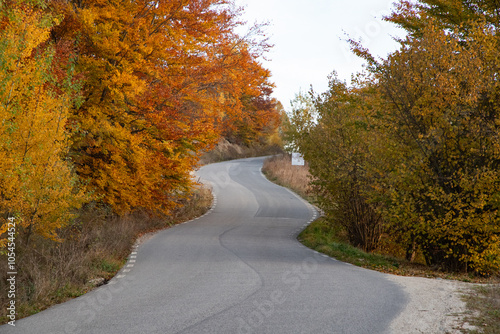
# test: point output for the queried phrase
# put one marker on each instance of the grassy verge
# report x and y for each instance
(93, 251)
(321, 237)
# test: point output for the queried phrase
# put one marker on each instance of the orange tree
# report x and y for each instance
(162, 79)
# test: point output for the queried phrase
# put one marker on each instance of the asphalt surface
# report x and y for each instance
(238, 269)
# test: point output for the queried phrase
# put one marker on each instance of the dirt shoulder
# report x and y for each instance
(434, 306)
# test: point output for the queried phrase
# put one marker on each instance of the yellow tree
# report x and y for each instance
(442, 92)
(451, 15)
(37, 185)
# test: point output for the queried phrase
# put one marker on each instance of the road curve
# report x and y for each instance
(238, 269)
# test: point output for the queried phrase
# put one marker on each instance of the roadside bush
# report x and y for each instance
(412, 151)
(338, 155)
(444, 193)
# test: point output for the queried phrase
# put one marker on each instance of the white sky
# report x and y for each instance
(309, 39)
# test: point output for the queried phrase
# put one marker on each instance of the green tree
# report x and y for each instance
(299, 120)
(331, 131)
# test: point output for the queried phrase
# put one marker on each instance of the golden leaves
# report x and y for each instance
(154, 78)
(36, 181)
(128, 93)
(419, 142)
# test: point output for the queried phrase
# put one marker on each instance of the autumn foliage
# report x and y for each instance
(410, 153)
(118, 99)
(37, 183)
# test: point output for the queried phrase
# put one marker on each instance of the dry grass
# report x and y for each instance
(279, 169)
(485, 306)
(94, 248)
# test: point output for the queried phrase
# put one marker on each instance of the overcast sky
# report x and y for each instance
(309, 39)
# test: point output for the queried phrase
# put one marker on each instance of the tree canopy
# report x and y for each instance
(118, 99)
(408, 157)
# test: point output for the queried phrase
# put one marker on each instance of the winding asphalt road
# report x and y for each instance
(238, 269)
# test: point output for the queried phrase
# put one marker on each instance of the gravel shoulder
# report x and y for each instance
(435, 306)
